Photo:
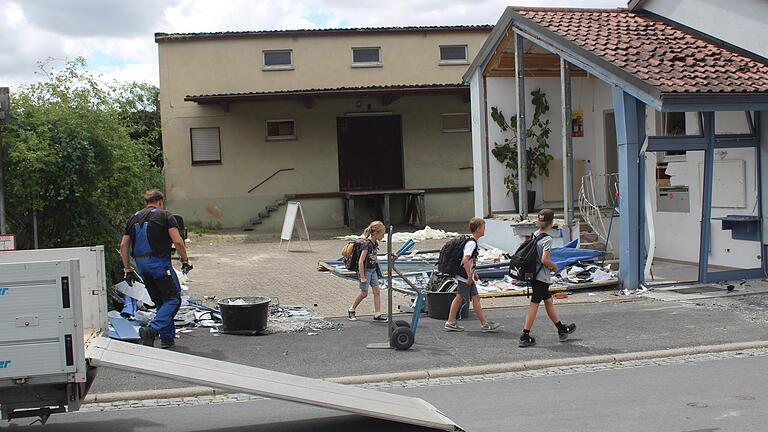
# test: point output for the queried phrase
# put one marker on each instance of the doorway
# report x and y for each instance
(370, 152)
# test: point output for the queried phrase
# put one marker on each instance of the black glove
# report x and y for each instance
(186, 268)
(130, 276)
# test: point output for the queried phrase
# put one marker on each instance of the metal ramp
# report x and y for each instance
(102, 351)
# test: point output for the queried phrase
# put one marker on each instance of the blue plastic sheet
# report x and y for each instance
(570, 253)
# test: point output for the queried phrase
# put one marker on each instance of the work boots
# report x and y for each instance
(148, 336)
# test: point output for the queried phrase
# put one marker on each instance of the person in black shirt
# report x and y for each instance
(147, 238)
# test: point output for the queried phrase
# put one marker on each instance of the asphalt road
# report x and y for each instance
(708, 396)
(603, 328)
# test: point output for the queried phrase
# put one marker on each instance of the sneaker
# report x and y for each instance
(167, 343)
(379, 317)
(526, 340)
(351, 315)
(566, 331)
(452, 326)
(148, 336)
(490, 327)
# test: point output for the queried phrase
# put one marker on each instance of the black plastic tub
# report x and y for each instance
(439, 305)
(249, 318)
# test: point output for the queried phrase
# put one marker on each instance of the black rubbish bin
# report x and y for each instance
(439, 305)
(244, 315)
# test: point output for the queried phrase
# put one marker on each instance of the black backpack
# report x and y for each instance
(451, 255)
(351, 254)
(525, 264)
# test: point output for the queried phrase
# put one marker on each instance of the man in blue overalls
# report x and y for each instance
(148, 236)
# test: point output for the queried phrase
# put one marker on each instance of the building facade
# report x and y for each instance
(658, 114)
(250, 119)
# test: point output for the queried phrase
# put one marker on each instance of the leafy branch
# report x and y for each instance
(537, 138)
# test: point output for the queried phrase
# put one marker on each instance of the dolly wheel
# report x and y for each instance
(402, 323)
(402, 338)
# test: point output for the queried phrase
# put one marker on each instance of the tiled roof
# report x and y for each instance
(169, 37)
(335, 91)
(670, 58)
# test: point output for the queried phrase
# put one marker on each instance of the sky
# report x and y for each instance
(116, 37)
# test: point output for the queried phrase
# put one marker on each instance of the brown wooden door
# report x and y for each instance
(370, 153)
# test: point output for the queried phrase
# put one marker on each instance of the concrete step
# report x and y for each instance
(588, 237)
(281, 202)
(593, 245)
(270, 208)
(263, 214)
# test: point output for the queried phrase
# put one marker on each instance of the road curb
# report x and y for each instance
(446, 372)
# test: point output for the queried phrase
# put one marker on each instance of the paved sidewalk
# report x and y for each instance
(432, 382)
(604, 328)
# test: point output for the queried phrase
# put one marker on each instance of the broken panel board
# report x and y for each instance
(277, 385)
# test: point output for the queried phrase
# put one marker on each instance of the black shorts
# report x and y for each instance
(540, 291)
(465, 290)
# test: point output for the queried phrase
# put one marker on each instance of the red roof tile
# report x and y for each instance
(659, 53)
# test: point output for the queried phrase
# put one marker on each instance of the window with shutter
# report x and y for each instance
(278, 59)
(453, 54)
(455, 122)
(366, 57)
(206, 145)
(281, 130)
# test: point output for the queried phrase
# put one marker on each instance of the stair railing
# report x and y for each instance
(267, 179)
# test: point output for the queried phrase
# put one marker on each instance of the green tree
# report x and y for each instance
(138, 108)
(70, 160)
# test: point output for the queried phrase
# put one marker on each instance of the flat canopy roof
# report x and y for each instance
(394, 90)
(662, 63)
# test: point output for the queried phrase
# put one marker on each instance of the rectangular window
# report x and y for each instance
(278, 59)
(366, 57)
(453, 54)
(281, 130)
(674, 123)
(206, 145)
(455, 122)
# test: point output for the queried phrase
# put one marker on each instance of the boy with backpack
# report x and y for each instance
(361, 256)
(462, 267)
(541, 280)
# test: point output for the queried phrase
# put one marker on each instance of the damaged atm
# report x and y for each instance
(53, 322)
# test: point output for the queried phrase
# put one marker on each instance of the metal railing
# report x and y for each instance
(267, 179)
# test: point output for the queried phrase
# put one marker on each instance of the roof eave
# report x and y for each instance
(261, 96)
(182, 37)
(702, 102)
(635, 4)
(489, 46)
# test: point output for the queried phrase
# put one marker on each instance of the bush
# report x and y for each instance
(70, 161)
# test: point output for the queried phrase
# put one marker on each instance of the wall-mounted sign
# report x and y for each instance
(7, 242)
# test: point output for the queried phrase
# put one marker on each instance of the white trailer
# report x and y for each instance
(53, 316)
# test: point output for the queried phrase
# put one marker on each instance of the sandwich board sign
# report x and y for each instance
(294, 221)
(7, 242)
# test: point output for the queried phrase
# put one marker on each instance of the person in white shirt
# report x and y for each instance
(465, 280)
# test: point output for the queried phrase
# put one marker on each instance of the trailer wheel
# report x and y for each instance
(402, 338)
(402, 323)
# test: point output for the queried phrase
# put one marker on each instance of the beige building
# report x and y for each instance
(330, 118)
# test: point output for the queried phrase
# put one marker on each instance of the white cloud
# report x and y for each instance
(117, 36)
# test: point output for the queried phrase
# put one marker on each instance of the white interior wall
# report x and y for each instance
(590, 95)
(677, 234)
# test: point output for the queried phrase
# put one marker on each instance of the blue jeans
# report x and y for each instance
(154, 268)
